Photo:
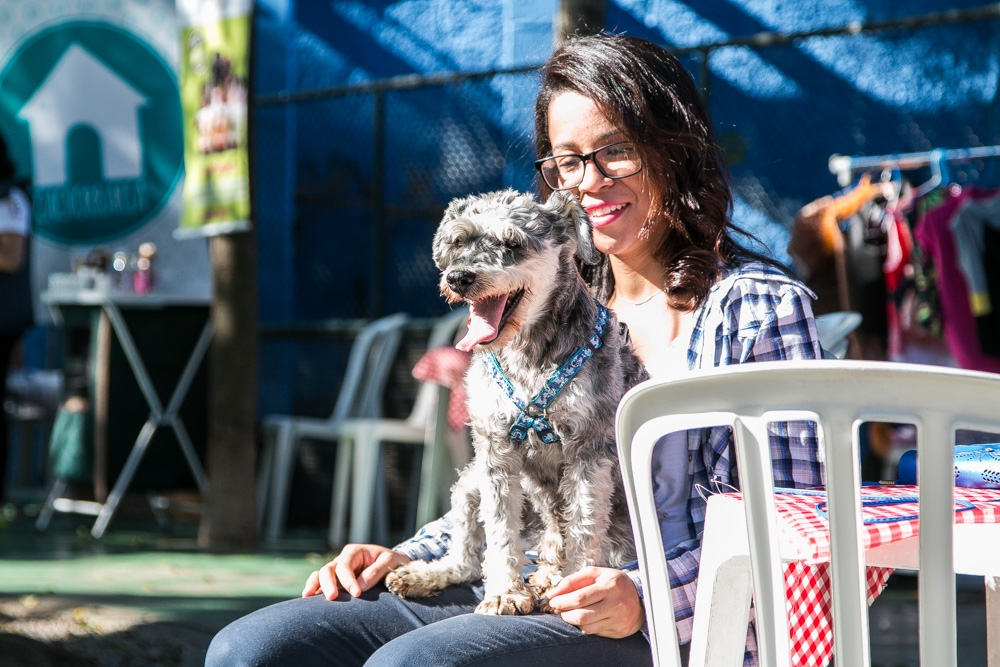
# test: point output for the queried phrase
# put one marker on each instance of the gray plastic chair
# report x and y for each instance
(360, 395)
(738, 551)
(834, 331)
(426, 425)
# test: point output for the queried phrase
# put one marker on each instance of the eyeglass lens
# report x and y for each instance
(564, 172)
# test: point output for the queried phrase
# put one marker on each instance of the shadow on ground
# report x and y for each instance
(143, 595)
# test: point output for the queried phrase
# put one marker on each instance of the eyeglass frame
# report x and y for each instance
(584, 158)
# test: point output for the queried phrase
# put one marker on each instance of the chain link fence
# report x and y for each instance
(371, 167)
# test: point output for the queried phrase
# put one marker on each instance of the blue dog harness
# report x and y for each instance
(532, 415)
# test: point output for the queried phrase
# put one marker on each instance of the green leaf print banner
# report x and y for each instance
(214, 75)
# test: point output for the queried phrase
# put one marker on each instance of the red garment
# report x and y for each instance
(899, 253)
(447, 366)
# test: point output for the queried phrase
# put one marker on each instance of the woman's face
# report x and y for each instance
(618, 209)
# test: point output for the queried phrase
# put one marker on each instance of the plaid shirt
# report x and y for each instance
(754, 313)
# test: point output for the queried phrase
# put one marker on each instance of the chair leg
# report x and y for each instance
(433, 460)
(341, 487)
(281, 481)
(363, 483)
(265, 474)
(379, 533)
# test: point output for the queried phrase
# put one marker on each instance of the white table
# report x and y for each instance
(111, 304)
(725, 587)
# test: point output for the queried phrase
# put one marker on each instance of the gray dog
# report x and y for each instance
(543, 388)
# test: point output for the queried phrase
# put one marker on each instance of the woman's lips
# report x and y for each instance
(604, 214)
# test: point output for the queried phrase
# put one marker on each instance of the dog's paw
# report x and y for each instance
(508, 604)
(406, 583)
(541, 596)
(544, 578)
(542, 604)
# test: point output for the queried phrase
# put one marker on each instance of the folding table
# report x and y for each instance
(111, 304)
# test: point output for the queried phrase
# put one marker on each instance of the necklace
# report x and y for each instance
(643, 301)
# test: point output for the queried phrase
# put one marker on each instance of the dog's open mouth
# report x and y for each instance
(487, 317)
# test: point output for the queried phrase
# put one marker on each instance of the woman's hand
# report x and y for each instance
(600, 601)
(356, 569)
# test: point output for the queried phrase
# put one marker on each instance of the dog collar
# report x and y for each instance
(532, 415)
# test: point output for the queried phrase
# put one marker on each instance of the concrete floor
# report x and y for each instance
(142, 595)
(146, 595)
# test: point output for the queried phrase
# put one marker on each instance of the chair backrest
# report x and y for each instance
(368, 366)
(443, 333)
(839, 396)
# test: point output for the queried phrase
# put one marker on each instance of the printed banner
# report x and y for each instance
(214, 73)
(90, 110)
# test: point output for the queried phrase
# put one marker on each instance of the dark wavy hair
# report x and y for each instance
(8, 173)
(648, 95)
(7, 169)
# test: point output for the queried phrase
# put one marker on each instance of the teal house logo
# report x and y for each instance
(96, 114)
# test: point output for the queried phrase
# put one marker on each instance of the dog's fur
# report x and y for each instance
(506, 249)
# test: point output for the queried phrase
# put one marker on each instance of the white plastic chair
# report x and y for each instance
(426, 425)
(360, 395)
(839, 396)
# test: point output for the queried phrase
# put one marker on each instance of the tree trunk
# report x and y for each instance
(579, 17)
(230, 519)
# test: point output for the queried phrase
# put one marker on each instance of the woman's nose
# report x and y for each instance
(593, 179)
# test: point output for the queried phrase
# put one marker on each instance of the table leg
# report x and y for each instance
(58, 488)
(124, 478)
(134, 360)
(157, 415)
(725, 587)
(993, 621)
(101, 398)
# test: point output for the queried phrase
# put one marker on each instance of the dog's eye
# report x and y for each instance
(512, 244)
(458, 243)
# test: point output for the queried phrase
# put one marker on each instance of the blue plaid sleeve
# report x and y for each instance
(430, 542)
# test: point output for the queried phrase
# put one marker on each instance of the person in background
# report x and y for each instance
(15, 280)
(620, 123)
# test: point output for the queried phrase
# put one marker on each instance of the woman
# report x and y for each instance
(619, 122)
(15, 282)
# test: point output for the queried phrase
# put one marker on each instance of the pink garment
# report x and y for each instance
(447, 366)
(934, 235)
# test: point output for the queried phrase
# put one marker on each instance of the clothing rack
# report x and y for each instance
(844, 166)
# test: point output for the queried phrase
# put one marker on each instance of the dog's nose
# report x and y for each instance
(461, 280)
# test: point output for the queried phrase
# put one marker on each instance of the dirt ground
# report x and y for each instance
(67, 632)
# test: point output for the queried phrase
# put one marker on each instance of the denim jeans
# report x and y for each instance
(381, 629)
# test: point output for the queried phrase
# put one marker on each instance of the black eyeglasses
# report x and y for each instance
(565, 172)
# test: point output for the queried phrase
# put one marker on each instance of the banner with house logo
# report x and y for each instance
(214, 73)
(90, 109)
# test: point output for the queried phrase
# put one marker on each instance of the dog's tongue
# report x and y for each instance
(484, 321)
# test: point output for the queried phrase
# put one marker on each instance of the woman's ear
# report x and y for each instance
(566, 208)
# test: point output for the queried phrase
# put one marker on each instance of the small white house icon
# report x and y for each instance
(81, 90)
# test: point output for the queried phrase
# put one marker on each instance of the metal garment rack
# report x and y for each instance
(845, 166)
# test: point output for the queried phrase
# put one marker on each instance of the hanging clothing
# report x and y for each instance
(936, 238)
(976, 259)
(907, 340)
(817, 245)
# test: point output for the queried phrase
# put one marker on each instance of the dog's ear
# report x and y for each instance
(565, 207)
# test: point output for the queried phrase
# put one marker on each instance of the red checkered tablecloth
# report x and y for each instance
(807, 582)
